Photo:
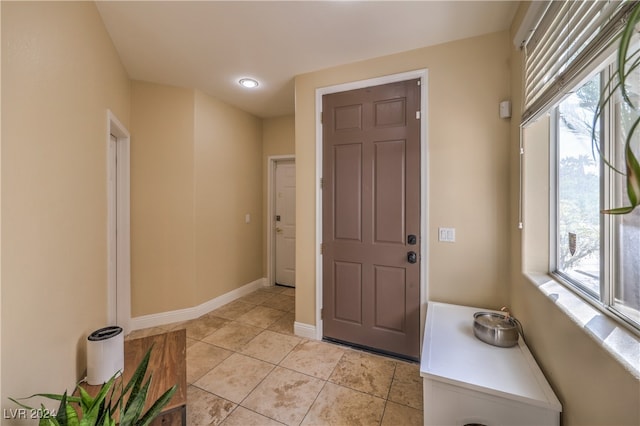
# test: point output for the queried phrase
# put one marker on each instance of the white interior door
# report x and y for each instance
(285, 222)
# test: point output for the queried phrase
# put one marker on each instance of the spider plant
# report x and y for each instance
(85, 410)
(627, 62)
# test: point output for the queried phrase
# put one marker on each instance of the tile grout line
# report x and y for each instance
(271, 296)
(314, 401)
(238, 404)
(386, 400)
(291, 370)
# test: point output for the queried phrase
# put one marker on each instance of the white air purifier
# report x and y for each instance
(105, 354)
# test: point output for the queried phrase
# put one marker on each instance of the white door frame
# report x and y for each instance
(118, 218)
(272, 161)
(424, 187)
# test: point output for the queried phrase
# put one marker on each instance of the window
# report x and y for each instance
(568, 37)
(578, 190)
(596, 254)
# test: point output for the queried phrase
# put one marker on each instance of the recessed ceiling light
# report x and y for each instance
(249, 83)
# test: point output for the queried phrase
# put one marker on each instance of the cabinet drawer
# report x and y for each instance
(446, 404)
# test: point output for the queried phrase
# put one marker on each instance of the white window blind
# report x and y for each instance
(565, 46)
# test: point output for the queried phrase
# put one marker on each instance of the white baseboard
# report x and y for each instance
(155, 320)
(305, 330)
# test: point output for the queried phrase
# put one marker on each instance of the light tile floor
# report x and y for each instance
(246, 367)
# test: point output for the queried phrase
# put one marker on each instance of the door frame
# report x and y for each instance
(423, 75)
(118, 217)
(272, 162)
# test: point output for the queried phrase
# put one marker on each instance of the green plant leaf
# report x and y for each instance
(62, 415)
(605, 97)
(105, 418)
(55, 397)
(17, 401)
(626, 64)
(134, 407)
(619, 210)
(102, 394)
(98, 411)
(608, 92)
(86, 400)
(49, 421)
(94, 411)
(108, 421)
(633, 167)
(623, 49)
(157, 406)
(72, 416)
(633, 174)
(136, 379)
(104, 421)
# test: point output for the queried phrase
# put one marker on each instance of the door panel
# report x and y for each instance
(348, 192)
(348, 285)
(390, 113)
(390, 289)
(389, 192)
(371, 203)
(348, 117)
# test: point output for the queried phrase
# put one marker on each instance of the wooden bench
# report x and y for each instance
(168, 366)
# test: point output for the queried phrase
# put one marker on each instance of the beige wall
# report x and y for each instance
(228, 185)
(278, 138)
(162, 198)
(468, 167)
(592, 386)
(196, 169)
(60, 74)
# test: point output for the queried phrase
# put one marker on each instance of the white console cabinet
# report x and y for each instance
(469, 382)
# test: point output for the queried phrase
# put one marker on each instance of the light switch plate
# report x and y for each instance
(447, 235)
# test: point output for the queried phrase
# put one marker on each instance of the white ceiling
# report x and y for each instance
(209, 45)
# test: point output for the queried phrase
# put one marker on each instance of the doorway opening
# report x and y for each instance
(118, 224)
(281, 220)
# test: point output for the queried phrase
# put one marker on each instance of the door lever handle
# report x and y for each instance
(412, 257)
(278, 230)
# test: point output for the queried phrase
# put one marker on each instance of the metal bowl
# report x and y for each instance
(496, 329)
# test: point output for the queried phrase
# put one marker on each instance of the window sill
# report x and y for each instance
(621, 343)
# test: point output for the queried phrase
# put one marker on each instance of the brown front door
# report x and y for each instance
(371, 217)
